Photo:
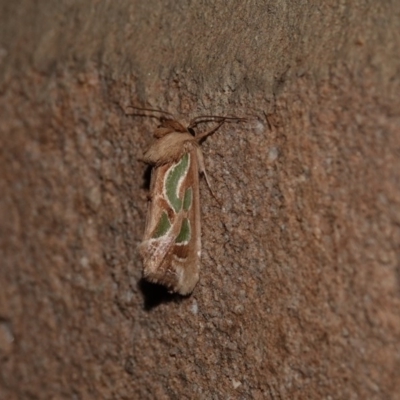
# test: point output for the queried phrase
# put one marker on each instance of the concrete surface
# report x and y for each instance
(299, 295)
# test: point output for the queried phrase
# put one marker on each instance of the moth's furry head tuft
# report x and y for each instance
(168, 125)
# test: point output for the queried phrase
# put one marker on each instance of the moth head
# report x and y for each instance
(167, 126)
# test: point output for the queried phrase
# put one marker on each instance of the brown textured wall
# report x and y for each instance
(299, 296)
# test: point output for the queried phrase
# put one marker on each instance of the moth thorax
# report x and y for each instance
(168, 126)
(162, 131)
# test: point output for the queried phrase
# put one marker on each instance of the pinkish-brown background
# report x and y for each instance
(299, 296)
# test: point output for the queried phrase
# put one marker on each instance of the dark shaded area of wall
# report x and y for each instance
(299, 295)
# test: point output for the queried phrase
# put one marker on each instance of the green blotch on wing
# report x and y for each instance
(184, 234)
(187, 200)
(163, 226)
(172, 181)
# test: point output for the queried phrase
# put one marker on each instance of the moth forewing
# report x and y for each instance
(171, 243)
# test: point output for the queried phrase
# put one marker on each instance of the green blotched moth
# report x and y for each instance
(171, 245)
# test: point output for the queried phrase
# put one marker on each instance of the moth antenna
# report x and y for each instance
(150, 110)
(213, 118)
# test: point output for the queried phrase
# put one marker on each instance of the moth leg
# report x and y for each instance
(202, 170)
(200, 137)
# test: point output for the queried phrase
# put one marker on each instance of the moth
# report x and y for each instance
(171, 246)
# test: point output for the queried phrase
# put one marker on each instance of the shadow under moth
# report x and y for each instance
(171, 246)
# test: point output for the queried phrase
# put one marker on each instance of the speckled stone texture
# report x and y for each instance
(299, 295)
